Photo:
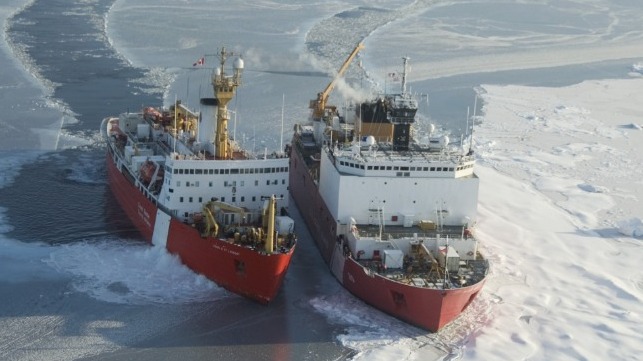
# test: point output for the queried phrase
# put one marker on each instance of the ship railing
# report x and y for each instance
(163, 147)
(386, 153)
(390, 237)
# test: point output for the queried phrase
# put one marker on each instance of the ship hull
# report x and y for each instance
(428, 308)
(237, 268)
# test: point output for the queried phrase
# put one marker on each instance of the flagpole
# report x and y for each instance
(281, 141)
(176, 131)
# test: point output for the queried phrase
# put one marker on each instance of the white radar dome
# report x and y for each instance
(238, 63)
(431, 128)
(444, 141)
(217, 71)
(370, 140)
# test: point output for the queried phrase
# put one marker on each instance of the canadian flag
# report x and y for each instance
(199, 62)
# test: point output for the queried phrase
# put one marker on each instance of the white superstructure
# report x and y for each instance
(398, 188)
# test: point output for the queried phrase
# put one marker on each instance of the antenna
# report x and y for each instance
(466, 131)
(475, 106)
(187, 88)
(406, 60)
(446, 268)
(281, 140)
(234, 131)
(176, 131)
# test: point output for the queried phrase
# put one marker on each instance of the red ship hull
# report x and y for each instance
(428, 308)
(238, 269)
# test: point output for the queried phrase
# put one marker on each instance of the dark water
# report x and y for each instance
(63, 197)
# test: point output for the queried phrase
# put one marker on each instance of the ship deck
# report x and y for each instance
(420, 274)
(419, 271)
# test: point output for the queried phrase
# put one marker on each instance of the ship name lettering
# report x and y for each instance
(226, 250)
(142, 212)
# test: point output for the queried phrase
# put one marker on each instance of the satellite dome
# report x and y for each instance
(238, 63)
(370, 140)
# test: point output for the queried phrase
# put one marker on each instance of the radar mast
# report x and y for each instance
(224, 90)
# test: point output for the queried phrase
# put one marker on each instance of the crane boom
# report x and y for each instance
(319, 105)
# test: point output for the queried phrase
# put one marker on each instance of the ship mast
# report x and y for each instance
(224, 90)
(406, 60)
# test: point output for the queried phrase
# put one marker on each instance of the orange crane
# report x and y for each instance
(319, 105)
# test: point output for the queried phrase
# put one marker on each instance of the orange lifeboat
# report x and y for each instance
(146, 172)
(152, 113)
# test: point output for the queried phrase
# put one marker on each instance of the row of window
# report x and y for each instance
(222, 199)
(231, 183)
(228, 171)
(405, 168)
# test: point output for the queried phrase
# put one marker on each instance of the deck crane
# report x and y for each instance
(319, 105)
(209, 211)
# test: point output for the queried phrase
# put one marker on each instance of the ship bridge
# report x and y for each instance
(385, 160)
